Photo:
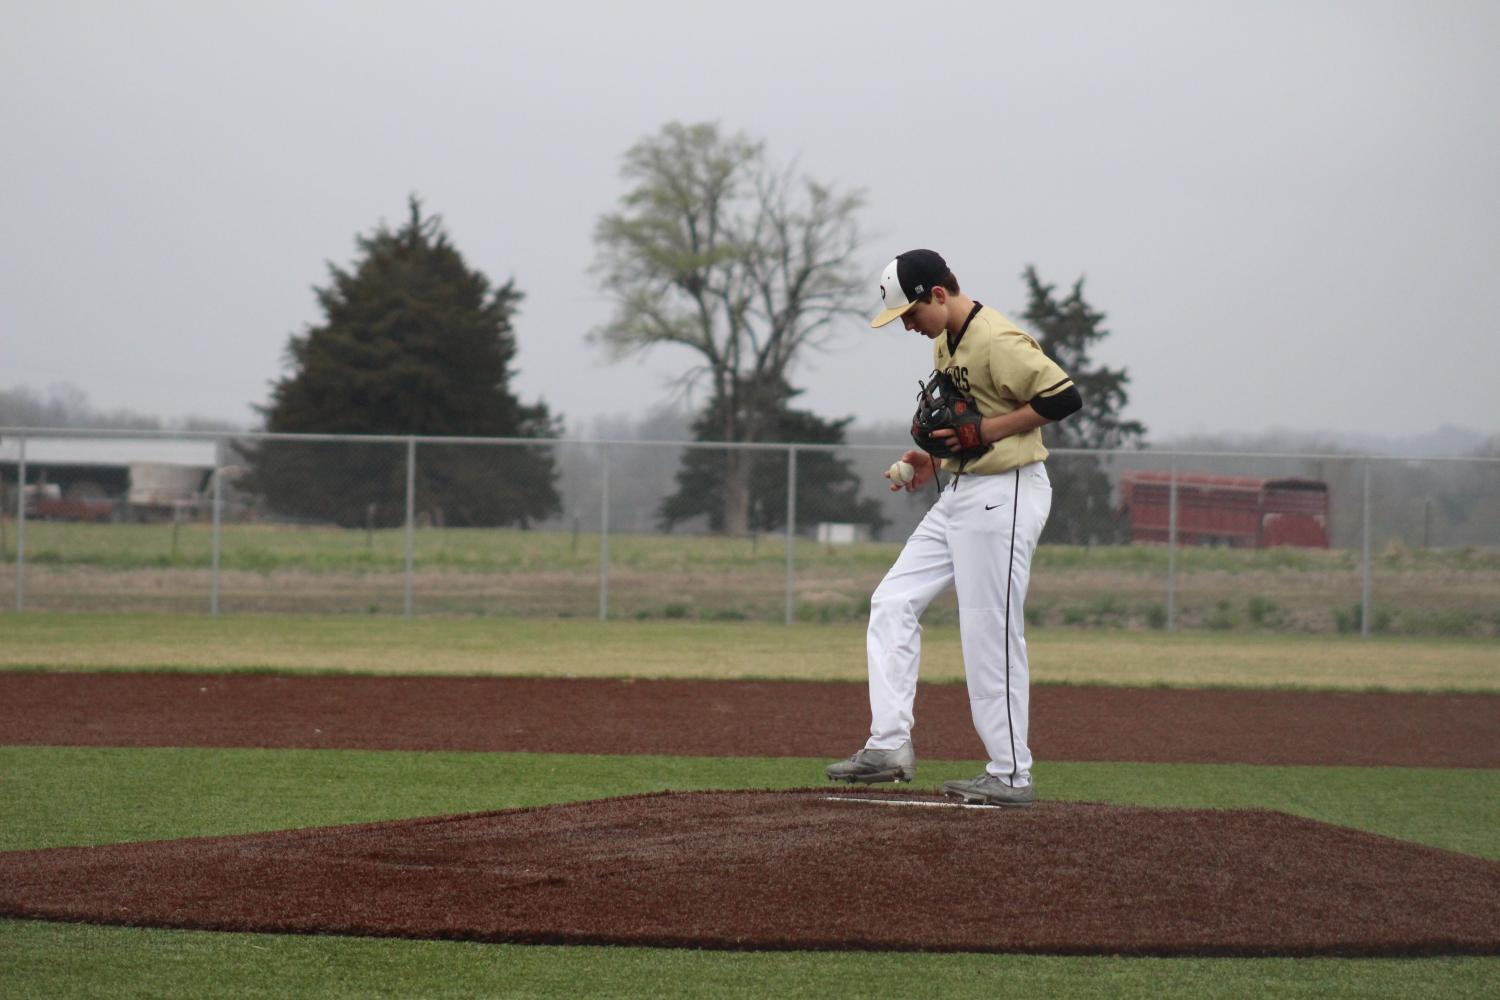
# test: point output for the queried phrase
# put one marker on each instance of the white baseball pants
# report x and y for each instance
(978, 537)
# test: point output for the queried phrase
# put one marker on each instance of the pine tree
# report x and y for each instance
(827, 489)
(1083, 511)
(413, 342)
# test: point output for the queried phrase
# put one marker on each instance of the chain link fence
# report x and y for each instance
(234, 523)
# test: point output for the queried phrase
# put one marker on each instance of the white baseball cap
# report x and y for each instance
(906, 279)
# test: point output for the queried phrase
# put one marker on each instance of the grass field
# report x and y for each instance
(286, 568)
(266, 546)
(725, 650)
(66, 795)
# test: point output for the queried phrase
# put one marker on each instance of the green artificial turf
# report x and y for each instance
(81, 795)
(85, 795)
(67, 960)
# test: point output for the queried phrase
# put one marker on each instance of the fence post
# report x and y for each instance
(791, 533)
(1172, 549)
(213, 599)
(21, 528)
(604, 535)
(411, 517)
(1365, 587)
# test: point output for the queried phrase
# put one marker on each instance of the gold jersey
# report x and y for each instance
(1003, 369)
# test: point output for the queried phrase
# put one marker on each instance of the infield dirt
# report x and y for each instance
(800, 870)
(736, 718)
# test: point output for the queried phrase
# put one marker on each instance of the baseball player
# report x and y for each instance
(978, 536)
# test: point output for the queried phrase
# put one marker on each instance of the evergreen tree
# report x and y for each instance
(413, 342)
(1083, 511)
(827, 489)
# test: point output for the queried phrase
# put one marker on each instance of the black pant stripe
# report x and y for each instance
(1010, 572)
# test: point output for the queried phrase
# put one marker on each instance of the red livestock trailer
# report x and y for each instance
(1227, 510)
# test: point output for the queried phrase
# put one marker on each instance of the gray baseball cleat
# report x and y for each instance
(870, 766)
(986, 789)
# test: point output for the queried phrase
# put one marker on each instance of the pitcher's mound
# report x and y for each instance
(806, 869)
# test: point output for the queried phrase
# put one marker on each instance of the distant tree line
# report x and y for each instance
(66, 405)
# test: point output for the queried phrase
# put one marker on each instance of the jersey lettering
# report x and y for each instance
(960, 376)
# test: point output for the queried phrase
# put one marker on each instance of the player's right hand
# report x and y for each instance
(922, 464)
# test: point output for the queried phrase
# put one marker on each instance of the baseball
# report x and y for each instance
(900, 472)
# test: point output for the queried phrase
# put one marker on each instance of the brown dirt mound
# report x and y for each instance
(812, 869)
(735, 718)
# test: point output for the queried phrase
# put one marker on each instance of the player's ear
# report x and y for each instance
(940, 295)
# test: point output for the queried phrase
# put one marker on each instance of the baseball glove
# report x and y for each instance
(941, 404)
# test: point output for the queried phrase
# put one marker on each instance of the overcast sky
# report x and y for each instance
(1289, 211)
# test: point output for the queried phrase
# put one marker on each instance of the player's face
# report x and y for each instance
(927, 318)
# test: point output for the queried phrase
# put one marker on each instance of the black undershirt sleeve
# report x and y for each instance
(1061, 405)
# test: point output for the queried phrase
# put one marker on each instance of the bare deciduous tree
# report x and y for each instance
(743, 262)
